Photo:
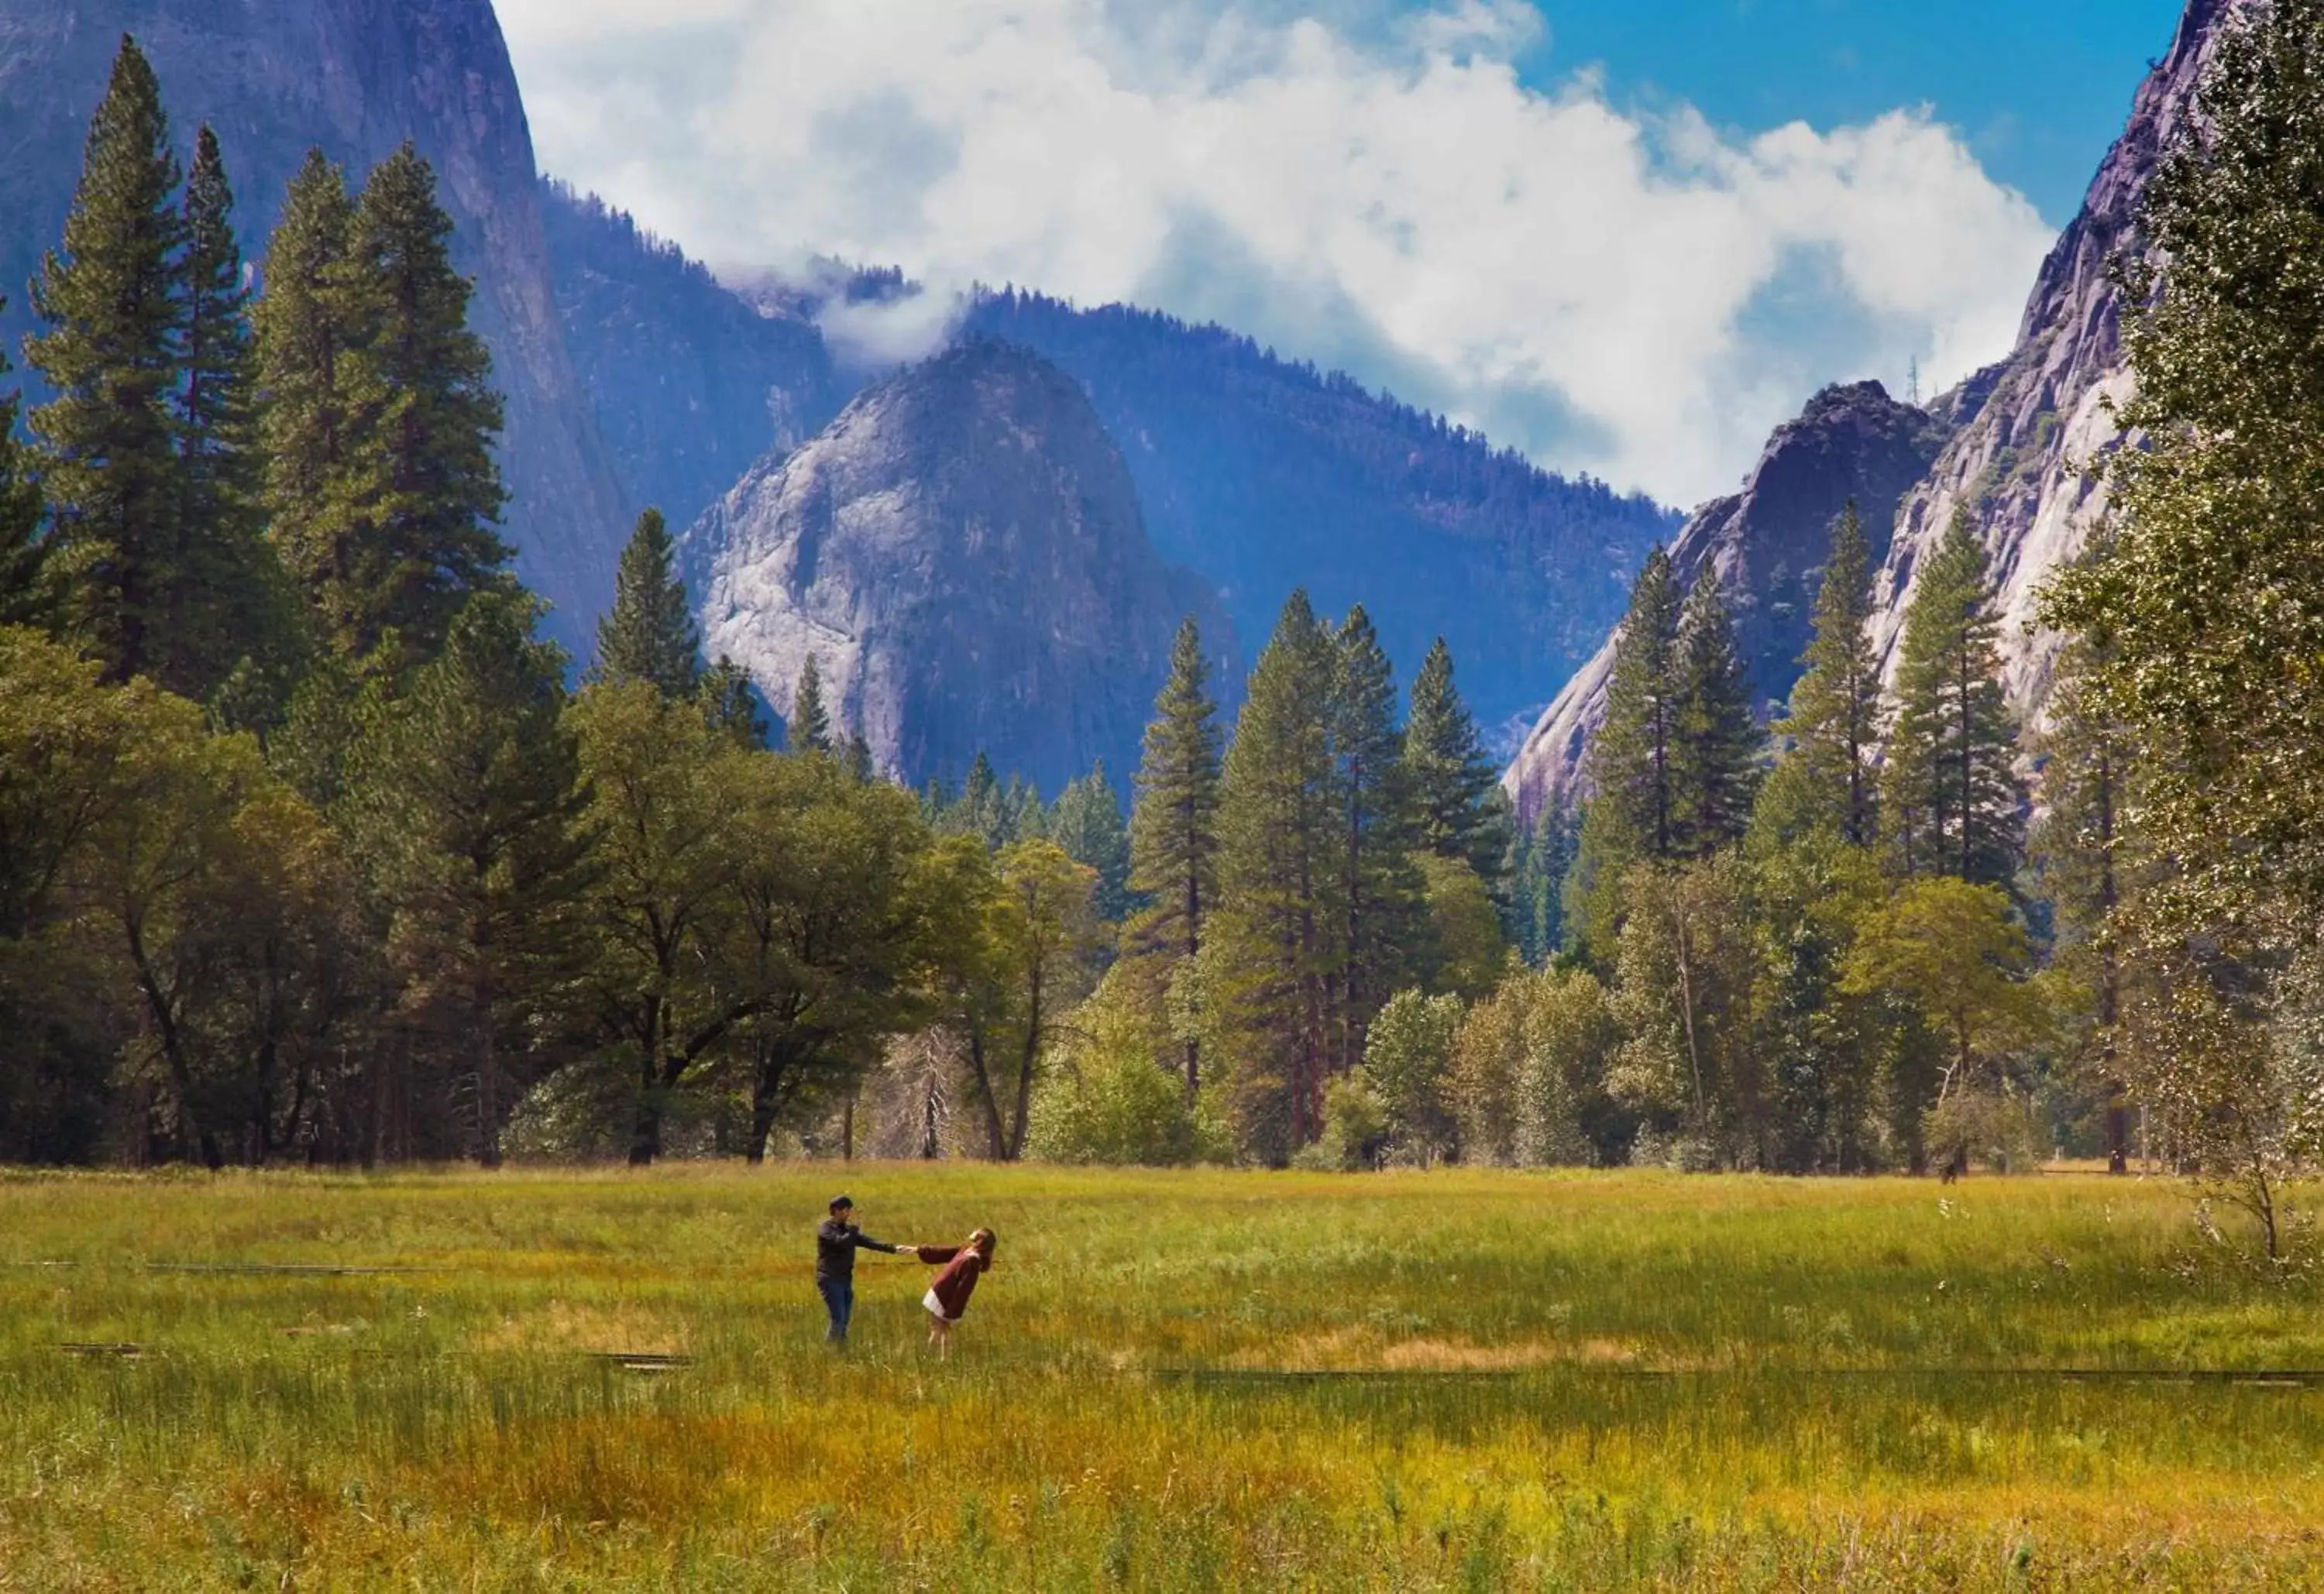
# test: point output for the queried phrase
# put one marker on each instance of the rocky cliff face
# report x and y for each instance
(2020, 436)
(357, 77)
(2017, 466)
(1766, 548)
(962, 553)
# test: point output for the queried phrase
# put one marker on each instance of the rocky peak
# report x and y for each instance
(962, 553)
(356, 78)
(1766, 548)
(2015, 439)
(2018, 465)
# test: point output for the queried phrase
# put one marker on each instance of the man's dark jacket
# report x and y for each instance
(835, 1244)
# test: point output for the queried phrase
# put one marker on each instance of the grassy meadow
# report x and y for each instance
(1198, 1380)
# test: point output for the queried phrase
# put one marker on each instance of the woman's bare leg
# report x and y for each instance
(936, 1340)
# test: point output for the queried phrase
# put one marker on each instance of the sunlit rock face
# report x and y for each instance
(962, 553)
(2018, 464)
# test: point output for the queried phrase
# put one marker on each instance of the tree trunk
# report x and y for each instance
(1032, 1054)
(1686, 1014)
(163, 1013)
(488, 1083)
(645, 1128)
(1194, 951)
(996, 1133)
(763, 1126)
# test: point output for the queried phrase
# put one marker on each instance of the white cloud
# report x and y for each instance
(1639, 295)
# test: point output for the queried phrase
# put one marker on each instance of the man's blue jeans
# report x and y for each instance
(839, 1300)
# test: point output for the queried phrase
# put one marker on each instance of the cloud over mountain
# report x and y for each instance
(1629, 291)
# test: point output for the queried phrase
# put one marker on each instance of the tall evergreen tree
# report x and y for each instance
(1454, 784)
(468, 800)
(731, 704)
(304, 335)
(648, 635)
(27, 596)
(1533, 919)
(416, 494)
(857, 757)
(113, 302)
(1834, 722)
(1174, 840)
(1715, 739)
(1950, 785)
(1633, 815)
(1630, 758)
(1281, 845)
(1087, 823)
(1379, 890)
(224, 611)
(809, 728)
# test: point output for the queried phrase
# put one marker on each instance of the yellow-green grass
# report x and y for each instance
(1170, 1381)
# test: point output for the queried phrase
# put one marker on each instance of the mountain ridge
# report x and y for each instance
(2023, 433)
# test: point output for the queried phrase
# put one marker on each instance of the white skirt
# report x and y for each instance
(935, 1307)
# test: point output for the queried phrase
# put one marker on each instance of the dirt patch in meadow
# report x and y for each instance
(1365, 1350)
(567, 1325)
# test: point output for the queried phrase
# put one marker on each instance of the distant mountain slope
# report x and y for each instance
(962, 553)
(1766, 548)
(691, 385)
(1263, 475)
(357, 77)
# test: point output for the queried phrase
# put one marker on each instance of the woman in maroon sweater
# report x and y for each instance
(948, 1297)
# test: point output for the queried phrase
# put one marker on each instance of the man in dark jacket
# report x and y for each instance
(835, 1244)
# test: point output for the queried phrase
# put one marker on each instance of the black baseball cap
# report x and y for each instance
(838, 1202)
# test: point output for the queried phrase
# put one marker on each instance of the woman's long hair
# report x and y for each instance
(982, 1243)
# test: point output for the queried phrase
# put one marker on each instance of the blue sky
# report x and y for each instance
(1628, 237)
(2039, 87)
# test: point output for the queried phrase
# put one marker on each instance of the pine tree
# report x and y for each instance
(1715, 738)
(1174, 840)
(305, 330)
(1834, 722)
(731, 704)
(416, 493)
(1454, 784)
(1632, 816)
(226, 611)
(27, 596)
(468, 800)
(1950, 785)
(1533, 919)
(1378, 892)
(1087, 823)
(1281, 843)
(1630, 758)
(114, 305)
(809, 728)
(649, 635)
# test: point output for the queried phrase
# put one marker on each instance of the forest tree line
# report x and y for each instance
(307, 850)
